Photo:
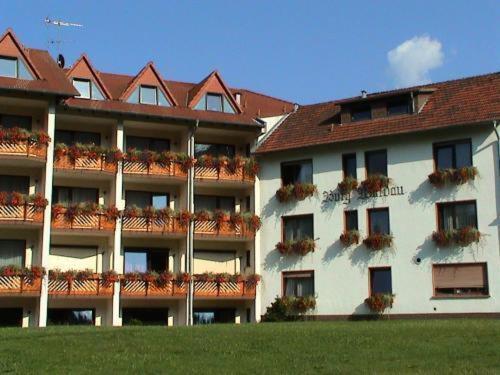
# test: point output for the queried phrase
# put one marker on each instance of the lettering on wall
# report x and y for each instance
(363, 195)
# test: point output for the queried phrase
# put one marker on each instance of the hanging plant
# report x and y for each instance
(235, 164)
(40, 137)
(110, 277)
(132, 276)
(84, 275)
(149, 212)
(148, 157)
(350, 237)
(185, 218)
(220, 217)
(69, 275)
(133, 155)
(222, 277)
(237, 278)
(379, 302)
(442, 177)
(34, 272)
(347, 185)
(302, 191)
(166, 157)
(186, 162)
(205, 277)
(112, 213)
(184, 277)
(236, 220)
(206, 161)
(150, 276)
(17, 199)
(57, 210)
(4, 198)
(284, 247)
(132, 212)
(253, 279)
(202, 215)
(378, 241)
(38, 201)
(461, 237)
(375, 183)
(284, 193)
(304, 246)
(165, 277)
(113, 155)
(10, 271)
(251, 167)
(164, 214)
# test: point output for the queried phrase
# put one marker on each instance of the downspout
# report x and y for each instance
(495, 128)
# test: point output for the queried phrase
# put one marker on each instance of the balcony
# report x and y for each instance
(84, 217)
(158, 165)
(222, 285)
(17, 208)
(153, 288)
(220, 225)
(237, 170)
(14, 281)
(81, 283)
(149, 220)
(15, 143)
(85, 163)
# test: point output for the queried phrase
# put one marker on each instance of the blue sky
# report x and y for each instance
(303, 51)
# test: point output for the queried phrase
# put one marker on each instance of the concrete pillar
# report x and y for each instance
(117, 242)
(45, 241)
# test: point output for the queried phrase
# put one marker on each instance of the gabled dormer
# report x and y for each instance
(87, 80)
(148, 87)
(212, 94)
(14, 61)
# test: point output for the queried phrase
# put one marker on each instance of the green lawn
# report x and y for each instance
(438, 346)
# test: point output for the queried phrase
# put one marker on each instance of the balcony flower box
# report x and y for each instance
(153, 220)
(87, 215)
(349, 237)
(14, 279)
(86, 157)
(296, 191)
(147, 162)
(15, 206)
(461, 237)
(224, 168)
(375, 183)
(79, 283)
(347, 185)
(18, 141)
(379, 302)
(299, 247)
(442, 177)
(153, 284)
(378, 241)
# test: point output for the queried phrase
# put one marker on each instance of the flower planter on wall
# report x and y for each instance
(461, 237)
(459, 176)
(349, 238)
(300, 247)
(378, 242)
(297, 192)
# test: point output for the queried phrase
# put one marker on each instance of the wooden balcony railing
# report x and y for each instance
(23, 148)
(94, 221)
(224, 289)
(222, 174)
(85, 163)
(140, 288)
(171, 169)
(20, 284)
(93, 286)
(226, 229)
(152, 225)
(23, 213)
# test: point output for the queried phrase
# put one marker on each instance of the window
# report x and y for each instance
(87, 89)
(456, 280)
(14, 68)
(214, 149)
(351, 220)
(70, 317)
(12, 252)
(215, 102)
(297, 172)
(456, 154)
(349, 165)
(212, 203)
(154, 316)
(14, 183)
(70, 137)
(298, 284)
(142, 260)
(398, 107)
(14, 121)
(361, 113)
(378, 221)
(74, 195)
(82, 257)
(146, 143)
(376, 162)
(248, 262)
(149, 95)
(216, 261)
(380, 280)
(213, 316)
(298, 227)
(457, 215)
(146, 198)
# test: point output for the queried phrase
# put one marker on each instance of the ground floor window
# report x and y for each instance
(81, 316)
(11, 317)
(380, 280)
(212, 316)
(145, 316)
(460, 280)
(298, 284)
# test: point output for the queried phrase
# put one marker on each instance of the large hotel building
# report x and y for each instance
(142, 200)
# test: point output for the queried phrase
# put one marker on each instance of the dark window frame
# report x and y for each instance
(214, 94)
(148, 87)
(452, 144)
(372, 152)
(86, 80)
(486, 288)
(25, 117)
(151, 196)
(370, 277)
(348, 212)
(284, 275)
(217, 145)
(284, 218)
(398, 102)
(369, 221)
(361, 108)
(148, 251)
(150, 141)
(351, 155)
(71, 191)
(73, 134)
(440, 205)
(295, 162)
(218, 200)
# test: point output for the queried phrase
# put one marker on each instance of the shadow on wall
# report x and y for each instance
(275, 208)
(427, 195)
(428, 250)
(274, 261)
(333, 251)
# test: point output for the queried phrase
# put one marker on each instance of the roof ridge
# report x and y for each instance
(261, 94)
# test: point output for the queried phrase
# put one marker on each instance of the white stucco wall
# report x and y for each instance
(341, 274)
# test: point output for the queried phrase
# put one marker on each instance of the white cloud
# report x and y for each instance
(411, 61)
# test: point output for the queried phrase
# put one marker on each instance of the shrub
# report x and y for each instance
(350, 237)
(347, 185)
(289, 308)
(379, 302)
(375, 183)
(378, 241)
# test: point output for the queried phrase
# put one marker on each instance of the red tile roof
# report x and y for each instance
(459, 102)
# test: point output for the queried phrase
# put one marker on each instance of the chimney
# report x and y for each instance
(363, 94)
(238, 98)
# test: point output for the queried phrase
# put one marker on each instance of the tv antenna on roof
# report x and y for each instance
(58, 41)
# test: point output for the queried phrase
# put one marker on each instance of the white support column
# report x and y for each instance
(190, 234)
(117, 243)
(256, 263)
(47, 183)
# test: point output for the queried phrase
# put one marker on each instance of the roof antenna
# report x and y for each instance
(58, 40)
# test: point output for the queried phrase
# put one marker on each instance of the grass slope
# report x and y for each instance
(431, 346)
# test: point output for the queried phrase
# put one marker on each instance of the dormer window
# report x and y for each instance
(398, 107)
(87, 89)
(151, 95)
(215, 102)
(361, 113)
(13, 67)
